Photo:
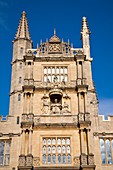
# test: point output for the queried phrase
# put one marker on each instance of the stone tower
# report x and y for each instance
(53, 120)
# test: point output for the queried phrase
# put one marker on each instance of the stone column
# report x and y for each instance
(83, 142)
(25, 104)
(30, 141)
(23, 143)
(31, 103)
(79, 102)
(85, 102)
(89, 141)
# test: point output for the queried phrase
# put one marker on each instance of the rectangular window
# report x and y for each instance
(56, 150)
(4, 152)
(56, 74)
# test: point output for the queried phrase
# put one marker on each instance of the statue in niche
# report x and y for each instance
(45, 106)
(65, 108)
(56, 107)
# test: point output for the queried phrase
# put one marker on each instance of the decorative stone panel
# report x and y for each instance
(91, 159)
(84, 159)
(22, 160)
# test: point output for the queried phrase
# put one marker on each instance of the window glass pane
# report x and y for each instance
(53, 70)
(68, 149)
(61, 70)
(54, 159)
(44, 141)
(44, 159)
(64, 159)
(53, 149)
(63, 149)
(59, 149)
(108, 149)
(1, 148)
(44, 149)
(49, 70)
(65, 78)
(49, 159)
(68, 141)
(102, 149)
(59, 141)
(1, 159)
(69, 159)
(49, 141)
(63, 141)
(59, 159)
(7, 148)
(57, 70)
(65, 70)
(45, 70)
(53, 141)
(49, 149)
(6, 162)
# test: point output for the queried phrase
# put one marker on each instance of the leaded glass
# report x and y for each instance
(54, 159)
(64, 159)
(59, 159)
(44, 159)
(69, 159)
(49, 159)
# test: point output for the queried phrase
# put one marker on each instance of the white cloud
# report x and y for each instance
(106, 107)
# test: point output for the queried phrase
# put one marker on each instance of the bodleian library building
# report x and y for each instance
(53, 121)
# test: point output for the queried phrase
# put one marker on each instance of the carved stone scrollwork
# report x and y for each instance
(22, 160)
(36, 121)
(29, 160)
(81, 117)
(36, 161)
(84, 159)
(76, 161)
(91, 159)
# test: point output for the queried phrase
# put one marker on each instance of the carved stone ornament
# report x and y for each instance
(76, 161)
(87, 116)
(21, 160)
(81, 116)
(84, 159)
(36, 120)
(36, 161)
(91, 159)
(29, 160)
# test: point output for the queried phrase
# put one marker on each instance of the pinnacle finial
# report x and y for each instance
(23, 13)
(23, 30)
(85, 27)
(54, 31)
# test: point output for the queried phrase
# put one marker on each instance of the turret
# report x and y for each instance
(85, 36)
(21, 43)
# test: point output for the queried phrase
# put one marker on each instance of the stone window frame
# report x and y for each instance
(5, 152)
(47, 154)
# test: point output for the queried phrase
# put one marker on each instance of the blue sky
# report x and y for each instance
(65, 16)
